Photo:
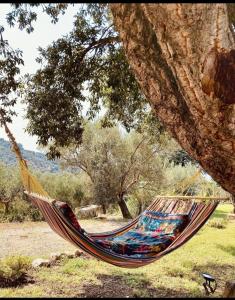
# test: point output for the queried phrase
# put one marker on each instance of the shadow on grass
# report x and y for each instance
(221, 272)
(21, 281)
(228, 249)
(128, 286)
(132, 285)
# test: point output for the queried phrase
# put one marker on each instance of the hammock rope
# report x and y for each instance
(186, 183)
(29, 181)
(198, 214)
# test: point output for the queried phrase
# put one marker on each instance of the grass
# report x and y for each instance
(178, 274)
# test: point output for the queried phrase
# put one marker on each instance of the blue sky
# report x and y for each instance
(44, 33)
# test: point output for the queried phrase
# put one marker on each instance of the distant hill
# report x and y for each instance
(36, 160)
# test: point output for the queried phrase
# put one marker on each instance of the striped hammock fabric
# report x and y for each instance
(163, 216)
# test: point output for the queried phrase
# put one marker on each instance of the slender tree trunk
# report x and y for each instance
(233, 202)
(104, 209)
(140, 208)
(7, 205)
(184, 60)
(124, 209)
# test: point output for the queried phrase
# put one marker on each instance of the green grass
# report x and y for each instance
(178, 274)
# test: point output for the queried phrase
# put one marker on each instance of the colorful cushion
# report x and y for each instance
(163, 223)
(68, 214)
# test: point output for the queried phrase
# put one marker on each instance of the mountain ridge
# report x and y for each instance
(35, 160)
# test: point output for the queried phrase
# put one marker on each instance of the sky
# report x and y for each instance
(44, 33)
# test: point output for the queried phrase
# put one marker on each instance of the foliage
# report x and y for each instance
(10, 185)
(14, 205)
(64, 186)
(218, 223)
(174, 176)
(11, 59)
(24, 16)
(13, 268)
(108, 167)
(89, 58)
(180, 157)
(89, 65)
(117, 164)
(21, 210)
(179, 180)
(141, 198)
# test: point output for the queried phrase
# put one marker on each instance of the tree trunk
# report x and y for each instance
(182, 57)
(124, 209)
(104, 209)
(233, 202)
(140, 208)
(6, 211)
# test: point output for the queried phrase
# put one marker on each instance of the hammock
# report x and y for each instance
(65, 225)
(164, 226)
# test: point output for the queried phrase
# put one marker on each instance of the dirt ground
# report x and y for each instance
(36, 239)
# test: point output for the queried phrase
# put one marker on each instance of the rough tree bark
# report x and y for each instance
(124, 209)
(104, 209)
(183, 58)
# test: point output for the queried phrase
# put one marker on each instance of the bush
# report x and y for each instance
(20, 211)
(13, 268)
(218, 223)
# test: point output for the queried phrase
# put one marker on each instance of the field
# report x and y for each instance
(178, 274)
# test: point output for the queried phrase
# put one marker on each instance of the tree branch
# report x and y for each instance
(131, 162)
(75, 162)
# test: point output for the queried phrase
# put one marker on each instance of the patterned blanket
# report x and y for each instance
(152, 234)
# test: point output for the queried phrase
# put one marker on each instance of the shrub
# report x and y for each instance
(20, 211)
(13, 268)
(218, 223)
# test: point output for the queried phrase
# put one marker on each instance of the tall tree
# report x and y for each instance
(183, 57)
(117, 165)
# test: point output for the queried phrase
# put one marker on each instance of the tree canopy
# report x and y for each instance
(117, 164)
(88, 65)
